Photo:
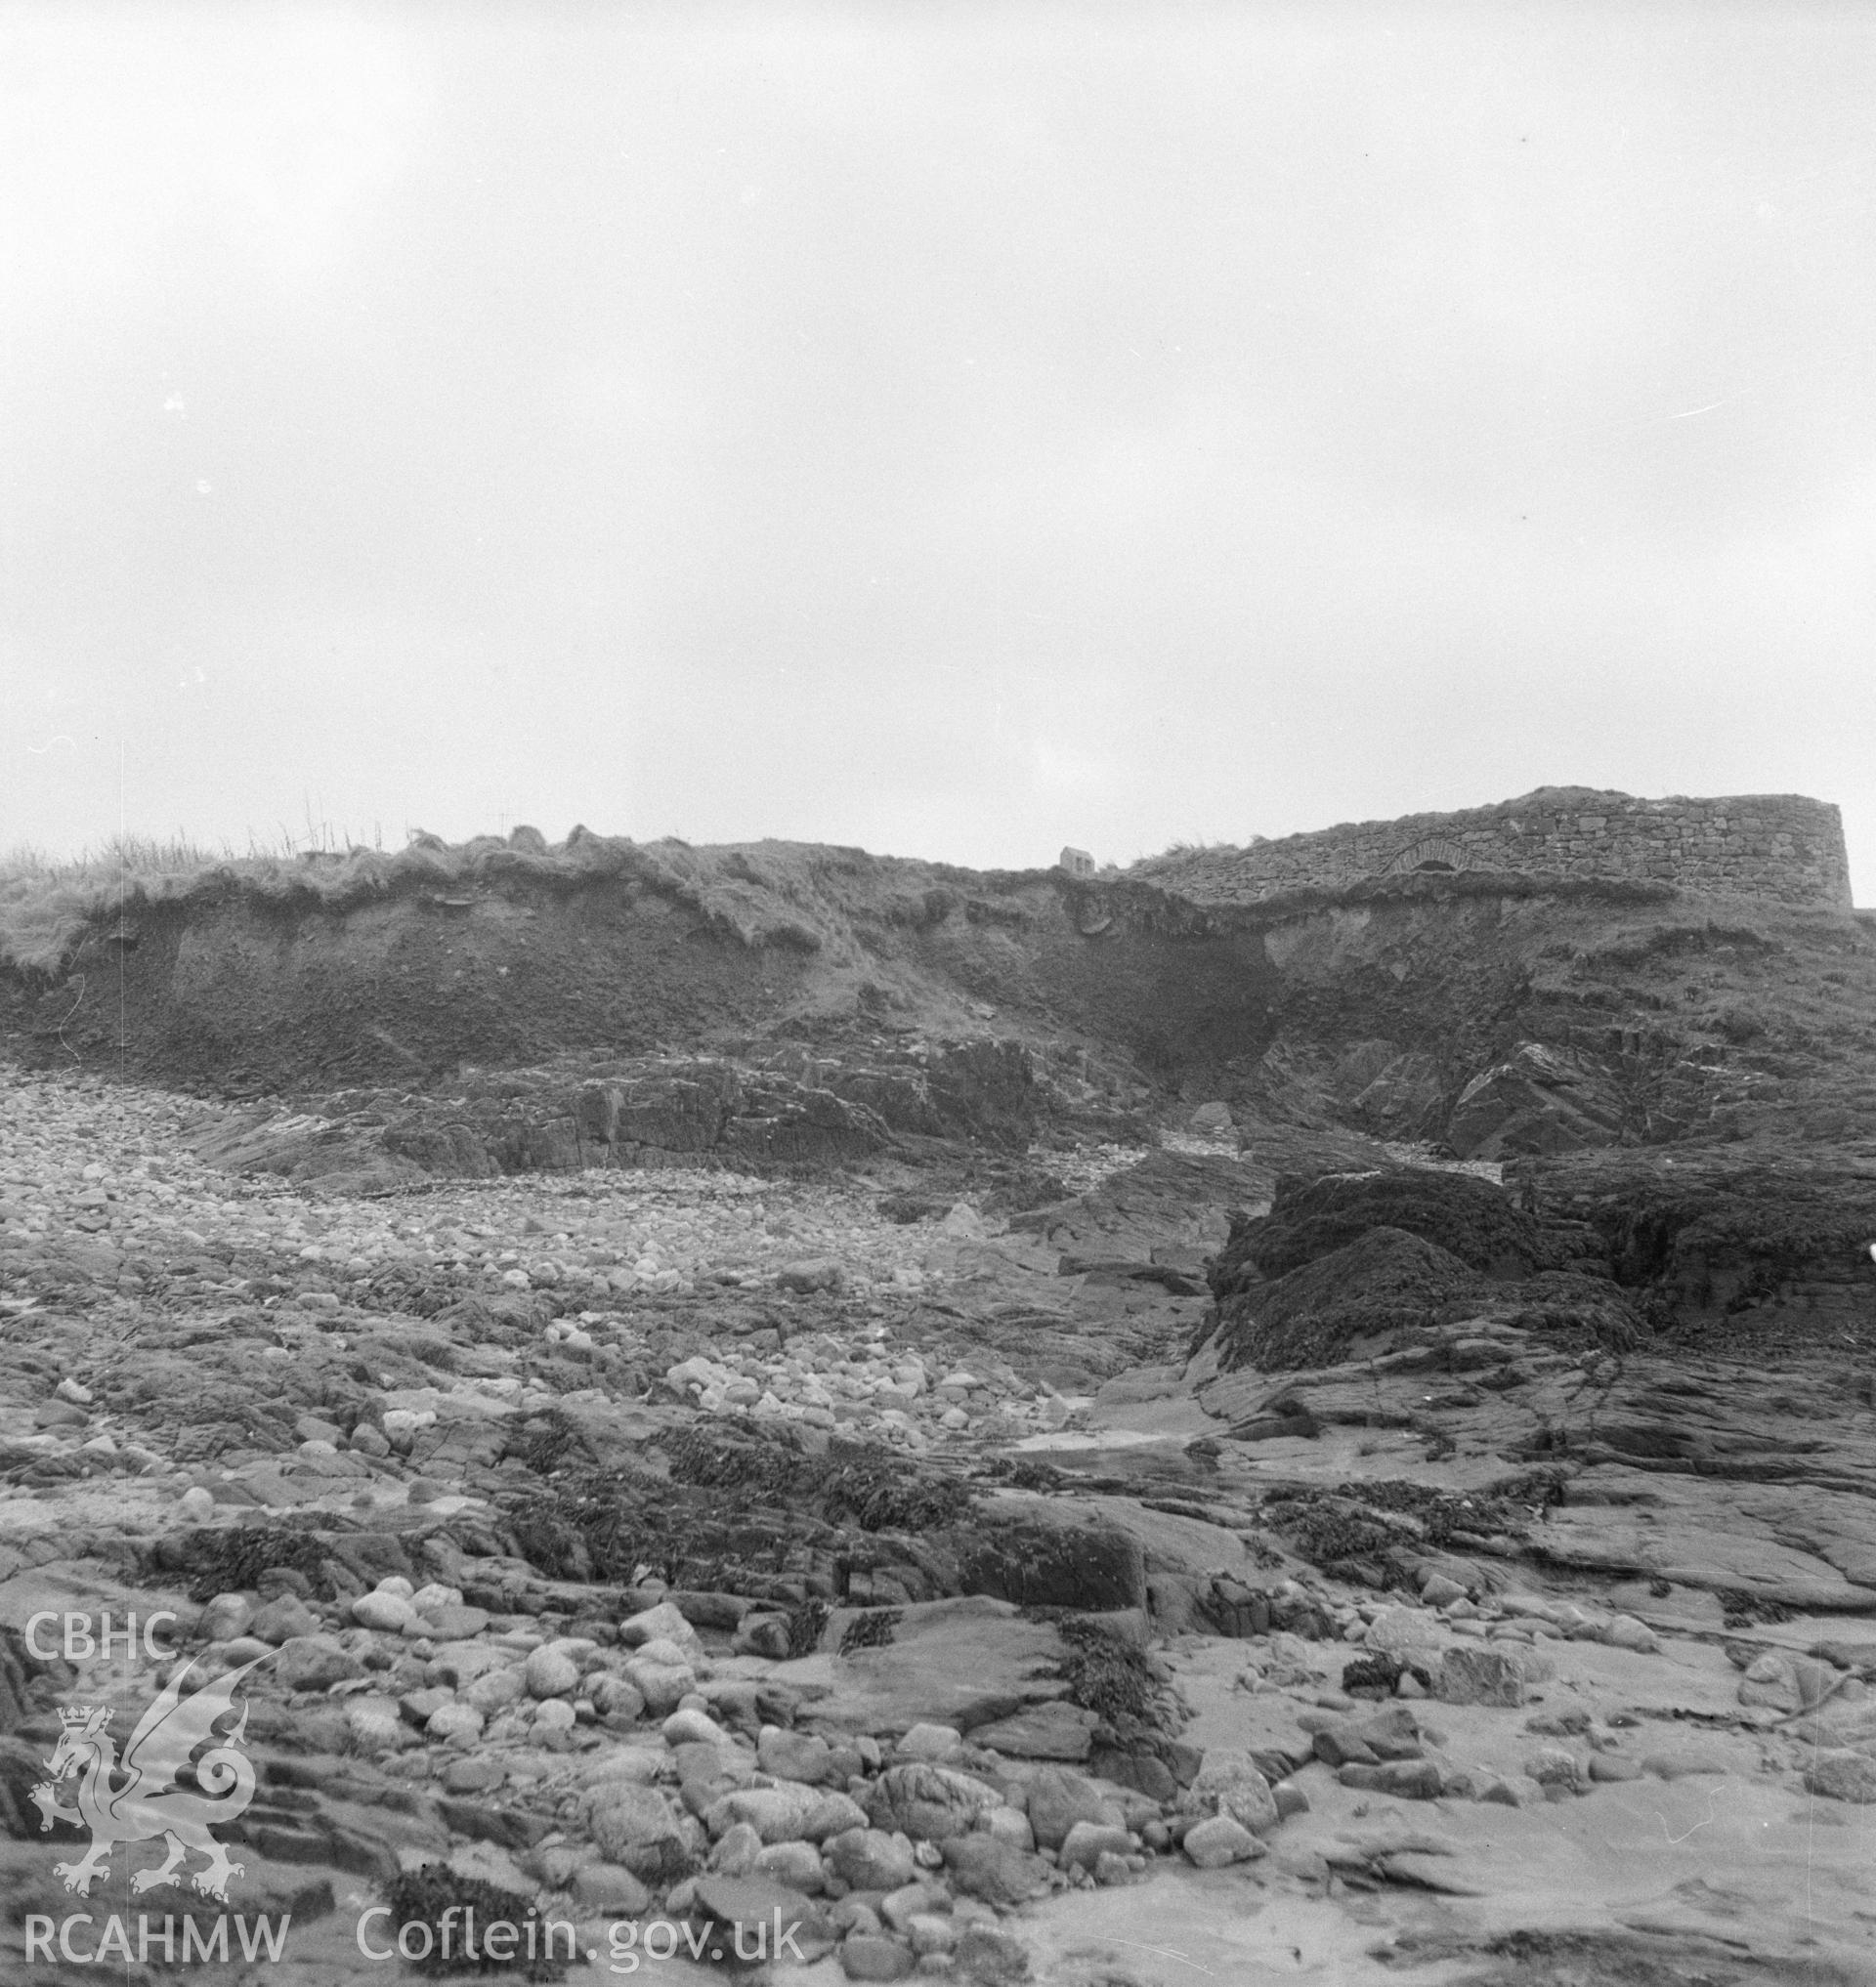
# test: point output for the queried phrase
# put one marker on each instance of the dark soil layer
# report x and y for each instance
(1514, 1014)
(241, 988)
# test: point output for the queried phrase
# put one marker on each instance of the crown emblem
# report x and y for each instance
(73, 1716)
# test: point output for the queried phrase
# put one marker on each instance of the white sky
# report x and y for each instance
(951, 428)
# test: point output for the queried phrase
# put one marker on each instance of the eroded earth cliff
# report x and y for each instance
(1034, 1426)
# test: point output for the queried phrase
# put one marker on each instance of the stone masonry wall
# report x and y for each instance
(1778, 845)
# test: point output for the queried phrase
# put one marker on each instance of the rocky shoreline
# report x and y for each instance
(689, 1548)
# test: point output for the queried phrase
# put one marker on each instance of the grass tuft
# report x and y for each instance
(775, 894)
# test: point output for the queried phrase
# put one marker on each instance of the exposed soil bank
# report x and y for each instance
(239, 988)
(1506, 1014)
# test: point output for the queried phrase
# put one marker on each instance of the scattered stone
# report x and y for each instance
(1009, 1825)
(789, 1812)
(635, 1827)
(375, 1722)
(870, 1859)
(690, 1726)
(1086, 1840)
(610, 1890)
(805, 1756)
(495, 1690)
(284, 1618)
(929, 1803)
(871, 1956)
(730, 1903)
(766, 1635)
(455, 1623)
(927, 1932)
(1626, 1633)
(1404, 1779)
(1232, 1784)
(1391, 1733)
(933, 1743)
(662, 1686)
(1402, 1632)
(798, 1865)
(1060, 1798)
(383, 1611)
(1219, 1839)
(314, 1663)
(663, 1622)
(1290, 1798)
(1485, 1677)
(551, 1671)
(997, 1871)
(455, 1723)
(226, 1617)
(474, 1775)
(737, 1850)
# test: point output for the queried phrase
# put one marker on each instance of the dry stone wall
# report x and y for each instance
(1778, 845)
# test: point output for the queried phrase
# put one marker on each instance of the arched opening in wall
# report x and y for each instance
(1431, 856)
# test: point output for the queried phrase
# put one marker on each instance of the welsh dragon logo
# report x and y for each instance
(150, 1801)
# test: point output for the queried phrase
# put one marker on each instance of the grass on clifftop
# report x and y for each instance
(46, 901)
(767, 894)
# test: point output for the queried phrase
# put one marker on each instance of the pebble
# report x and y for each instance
(871, 1956)
(796, 1864)
(930, 1742)
(551, 1672)
(454, 1722)
(1086, 1840)
(805, 1756)
(610, 1890)
(225, 1616)
(870, 1859)
(383, 1610)
(690, 1726)
(480, 1774)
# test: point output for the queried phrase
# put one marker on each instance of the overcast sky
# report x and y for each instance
(952, 429)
